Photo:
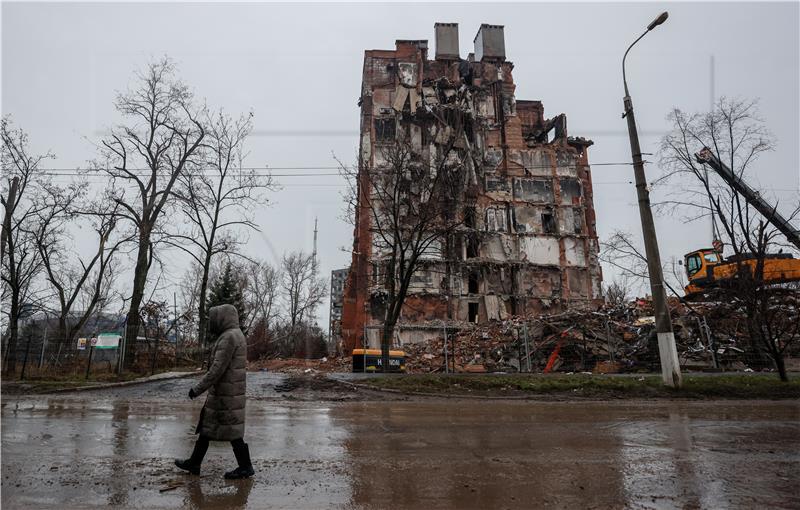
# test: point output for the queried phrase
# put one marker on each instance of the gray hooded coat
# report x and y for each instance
(222, 418)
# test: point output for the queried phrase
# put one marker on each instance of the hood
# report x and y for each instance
(222, 318)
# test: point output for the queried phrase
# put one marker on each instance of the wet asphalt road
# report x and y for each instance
(114, 448)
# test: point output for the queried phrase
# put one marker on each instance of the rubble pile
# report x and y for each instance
(611, 339)
(301, 366)
(618, 339)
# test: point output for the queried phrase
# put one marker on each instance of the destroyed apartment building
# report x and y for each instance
(527, 241)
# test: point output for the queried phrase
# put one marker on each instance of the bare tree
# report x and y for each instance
(304, 290)
(676, 274)
(218, 199)
(771, 312)
(154, 315)
(618, 292)
(261, 293)
(624, 254)
(20, 263)
(189, 294)
(737, 136)
(76, 280)
(145, 159)
(413, 201)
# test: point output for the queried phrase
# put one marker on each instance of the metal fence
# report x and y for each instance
(40, 357)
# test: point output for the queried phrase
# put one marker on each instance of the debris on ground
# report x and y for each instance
(301, 366)
(608, 340)
(287, 385)
(171, 486)
(611, 339)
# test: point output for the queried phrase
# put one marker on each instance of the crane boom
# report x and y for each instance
(752, 196)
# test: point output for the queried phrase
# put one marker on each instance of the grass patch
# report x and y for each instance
(48, 382)
(738, 386)
(742, 386)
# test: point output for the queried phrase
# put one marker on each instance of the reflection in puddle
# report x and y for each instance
(417, 454)
(688, 456)
(233, 495)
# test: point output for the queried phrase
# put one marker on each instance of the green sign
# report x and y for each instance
(107, 341)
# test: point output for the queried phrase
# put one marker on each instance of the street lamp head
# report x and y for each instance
(659, 20)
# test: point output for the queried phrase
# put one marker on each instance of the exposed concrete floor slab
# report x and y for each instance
(114, 448)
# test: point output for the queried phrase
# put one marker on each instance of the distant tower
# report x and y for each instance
(314, 254)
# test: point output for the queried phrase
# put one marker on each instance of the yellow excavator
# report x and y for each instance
(707, 270)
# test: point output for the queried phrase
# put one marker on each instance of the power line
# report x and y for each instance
(78, 172)
(691, 186)
(77, 169)
(594, 183)
(81, 171)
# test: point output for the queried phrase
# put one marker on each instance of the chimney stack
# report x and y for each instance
(490, 43)
(446, 41)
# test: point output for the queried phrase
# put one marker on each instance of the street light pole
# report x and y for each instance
(668, 353)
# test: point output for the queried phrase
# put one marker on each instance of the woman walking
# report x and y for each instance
(222, 417)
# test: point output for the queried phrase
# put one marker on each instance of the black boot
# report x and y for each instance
(192, 464)
(245, 469)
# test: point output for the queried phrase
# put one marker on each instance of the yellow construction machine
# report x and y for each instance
(707, 270)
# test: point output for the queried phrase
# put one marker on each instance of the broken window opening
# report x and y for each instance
(472, 247)
(407, 72)
(496, 220)
(472, 284)
(549, 225)
(385, 129)
(472, 312)
(469, 131)
(533, 190)
(387, 275)
(513, 221)
(465, 72)
(577, 219)
(570, 191)
(496, 184)
(422, 278)
(425, 137)
(375, 274)
(469, 217)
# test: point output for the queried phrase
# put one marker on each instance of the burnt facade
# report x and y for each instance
(338, 278)
(527, 243)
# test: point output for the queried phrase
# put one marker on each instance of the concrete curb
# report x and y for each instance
(439, 395)
(158, 377)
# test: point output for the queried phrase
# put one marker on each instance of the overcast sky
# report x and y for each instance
(298, 68)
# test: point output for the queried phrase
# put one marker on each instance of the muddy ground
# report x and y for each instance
(316, 444)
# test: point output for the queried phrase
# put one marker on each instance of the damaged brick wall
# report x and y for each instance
(529, 244)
